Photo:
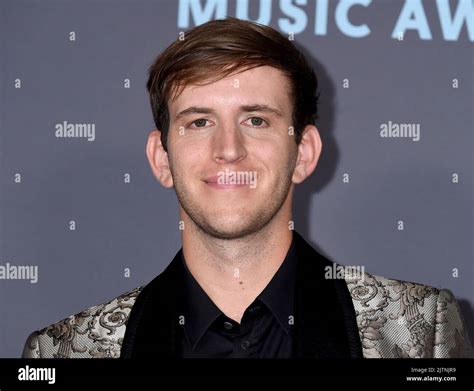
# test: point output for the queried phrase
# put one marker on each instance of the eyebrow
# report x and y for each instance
(246, 108)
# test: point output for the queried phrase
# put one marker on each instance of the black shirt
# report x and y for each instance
(266, 328)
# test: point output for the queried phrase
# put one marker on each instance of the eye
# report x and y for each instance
(257, 122)
(201, 122)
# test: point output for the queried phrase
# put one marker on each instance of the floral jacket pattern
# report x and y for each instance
(395, 319)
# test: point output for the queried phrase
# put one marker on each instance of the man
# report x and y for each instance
(235, 106)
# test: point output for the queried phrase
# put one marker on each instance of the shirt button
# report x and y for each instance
(228, 325)
(245, 344)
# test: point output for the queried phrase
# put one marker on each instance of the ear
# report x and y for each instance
(158, 159)
(309, 151)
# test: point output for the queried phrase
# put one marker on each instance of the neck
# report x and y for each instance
(233, 272)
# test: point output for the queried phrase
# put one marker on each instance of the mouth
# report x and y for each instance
(216, 182)
(212, 179)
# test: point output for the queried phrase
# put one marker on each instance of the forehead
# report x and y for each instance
(262, 85)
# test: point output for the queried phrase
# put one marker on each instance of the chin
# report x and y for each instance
(231, 231)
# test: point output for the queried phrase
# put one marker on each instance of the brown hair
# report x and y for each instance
(218, 49)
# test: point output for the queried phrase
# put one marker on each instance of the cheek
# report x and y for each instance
(276, 157)
(185, 160)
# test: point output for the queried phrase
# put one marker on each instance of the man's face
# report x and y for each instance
(231, 161)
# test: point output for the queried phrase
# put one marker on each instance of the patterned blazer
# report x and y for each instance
(351, 316)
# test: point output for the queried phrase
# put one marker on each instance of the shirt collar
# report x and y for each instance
(278, 296)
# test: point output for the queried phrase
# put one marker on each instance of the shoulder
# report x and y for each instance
(95, 332)
(407, 319)
(365, 287)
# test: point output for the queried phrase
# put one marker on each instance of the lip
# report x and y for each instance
(212, 181)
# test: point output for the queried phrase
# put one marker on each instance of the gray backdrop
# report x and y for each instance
(369, 76)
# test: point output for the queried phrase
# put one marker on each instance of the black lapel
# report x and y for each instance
(153, 325)
(325, 322)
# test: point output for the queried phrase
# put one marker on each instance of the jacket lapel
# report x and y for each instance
(153, 326)
(325, 322)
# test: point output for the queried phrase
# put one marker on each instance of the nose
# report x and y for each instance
(228, 145)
